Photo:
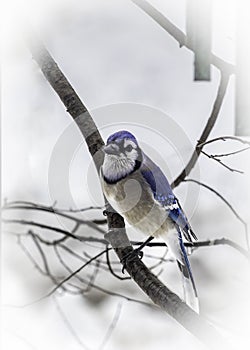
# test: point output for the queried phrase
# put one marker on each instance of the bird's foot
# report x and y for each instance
(135, 254)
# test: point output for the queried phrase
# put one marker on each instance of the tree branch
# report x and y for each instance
(216, 158)
(208, 128)
(156, 290)
(226, 202)
(179, 36)
(16, 205)
(223, 138)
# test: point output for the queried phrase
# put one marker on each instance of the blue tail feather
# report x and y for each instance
(187, 263)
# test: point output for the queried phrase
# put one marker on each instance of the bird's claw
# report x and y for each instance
(136, 253)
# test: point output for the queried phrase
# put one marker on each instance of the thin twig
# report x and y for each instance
(75, 273)
(45, 262)
(55, 229)
(28, 254)
(93, 277)
(210, 156)
(62, 262)
(223, 138)
(219, 241)
(46, 272)
(17, 205)
(231, 153)
(219, 195)
(80, 210)
(226, 202)
(206, 243)
(41, 225)
(101, 289)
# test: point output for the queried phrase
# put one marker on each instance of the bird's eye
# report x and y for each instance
(128, 148)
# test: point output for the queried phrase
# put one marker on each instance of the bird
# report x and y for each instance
(139, 191)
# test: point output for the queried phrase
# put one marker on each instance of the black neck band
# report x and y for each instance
(113, 182)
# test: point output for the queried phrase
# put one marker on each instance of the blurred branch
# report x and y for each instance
(208, 128)
(242, 77)
(112, 326)
(68, 325)
(179, 36)
(198, 29)
(156, 290)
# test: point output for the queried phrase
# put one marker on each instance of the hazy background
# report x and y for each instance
(131, 74)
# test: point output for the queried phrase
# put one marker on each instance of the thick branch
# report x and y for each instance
(158, 293)
(70, 99)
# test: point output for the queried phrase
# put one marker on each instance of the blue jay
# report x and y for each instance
(138, 190)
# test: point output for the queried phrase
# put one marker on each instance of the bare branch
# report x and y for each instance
(68, 234)
(101, 289)
(216, 158)
(28, 254)
(223, 138)
(206, 243)
(226, 202)
(219, 241)
(117, 237)
(47, 272)
(88, 283)
(18, 205)
(219, 195)
(73, 274)
(231, 153)
(43, 226)
(208, 128)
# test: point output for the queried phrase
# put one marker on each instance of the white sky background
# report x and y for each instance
(113, 53)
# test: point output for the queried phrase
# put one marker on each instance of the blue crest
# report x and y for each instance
(121, 135)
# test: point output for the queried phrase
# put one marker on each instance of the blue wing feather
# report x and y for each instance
(164, 195)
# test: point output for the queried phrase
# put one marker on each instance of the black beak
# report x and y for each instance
(111, 148)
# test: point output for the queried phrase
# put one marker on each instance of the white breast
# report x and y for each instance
(132, 198)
